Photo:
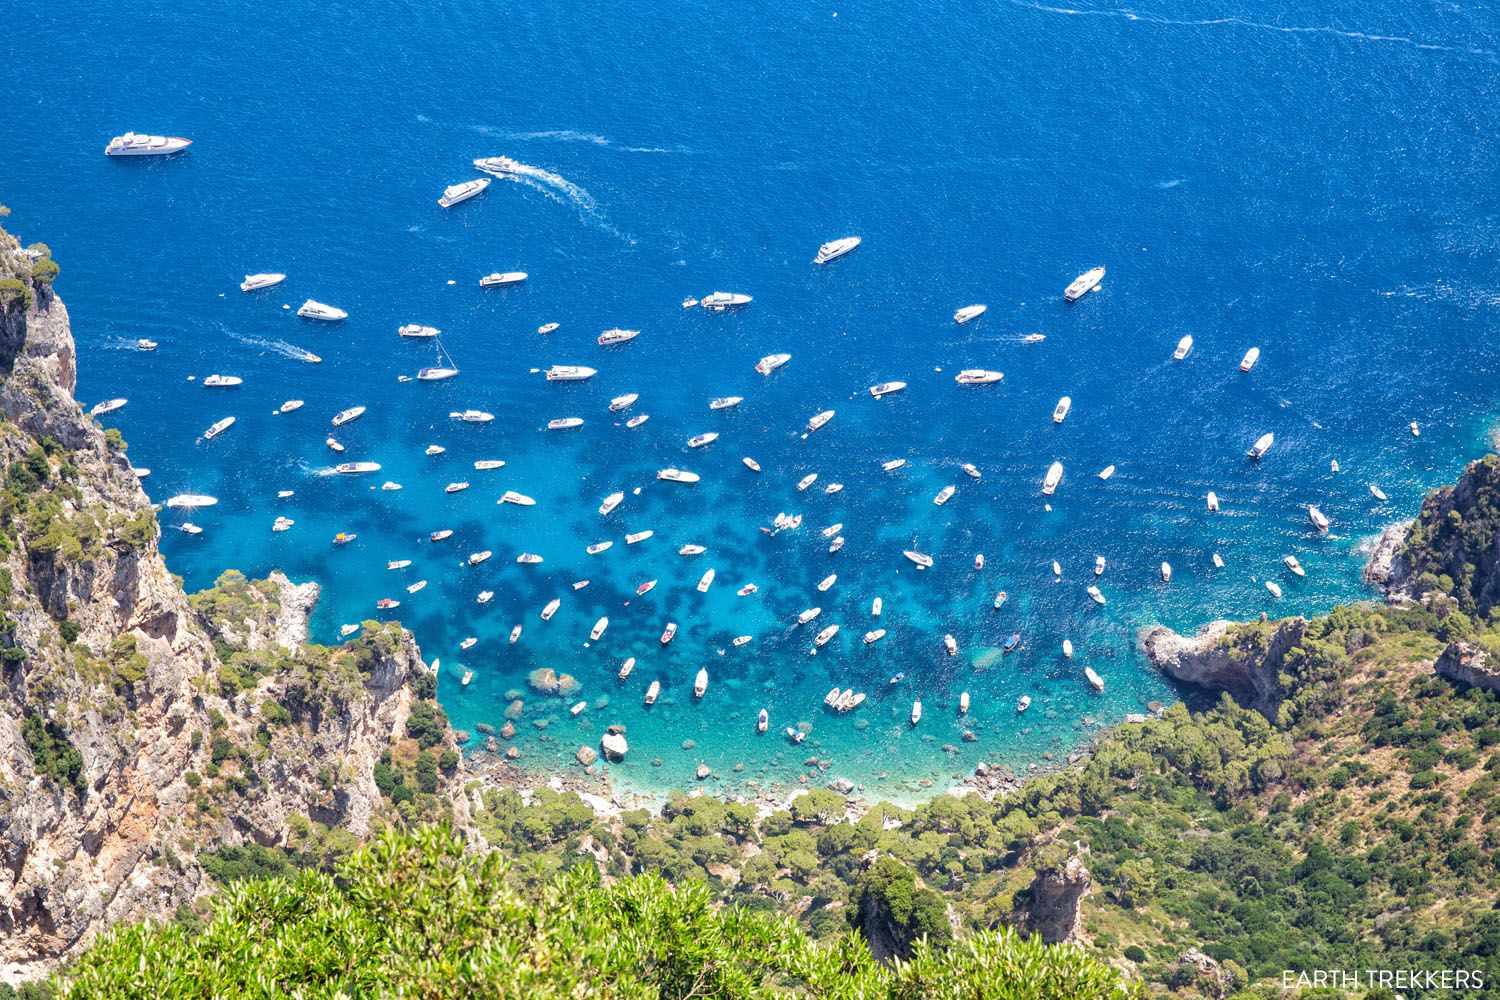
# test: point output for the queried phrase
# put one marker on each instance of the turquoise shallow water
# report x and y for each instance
(1314, 183)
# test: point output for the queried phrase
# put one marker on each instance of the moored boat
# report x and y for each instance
(570, 373)
(551, 609)
(217, 428)
(1274, 588)
(626, 668)
(771, 362)
(874, 635)
(944, 495)
(826, 582)
(706, 580)
(639, 536)
(893, 464)
(834, 249)
(457, 193)
(108, 406)
(345, 416)
(623, 402)
(1261, 446)
(653, 692)
(1053, 477)
(255, 282)
(1250, 358)
(700, 440)
(611, 502)
(1166, 572)
(1183, 347)
(720, 301)
(916, 712)
(312, 309)
(1096, 595)
(751, 464)
(1083, 284)
(599, 626)
(138, 144)
(968, 313)
(471, 416)
(725, 402)
(1060, 411)
(977, 376)
(1095, 681)
(502, 278)
(886, 388)
(475, 558)
(519, 499)
(617, 336)
(700, 682)
(668, 633)
(922, 560)
(806, 481)
(599, 547)
(1293, 565)
(675, 475)
(565, 424)
(821, 639)
(1318, 518)
(418, 331)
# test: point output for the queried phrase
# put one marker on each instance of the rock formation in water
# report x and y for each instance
(1244, 659)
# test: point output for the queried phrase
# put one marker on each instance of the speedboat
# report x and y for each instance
(333, 444)
(255, 282)
(1000, 598)
(141, 472)
(833, 488)
(143, 344)
(977, 376)
(1274, 588)
(979, 561)
(808, 615)
(747, 590)
(435, 373)
(819, 420)
(971, 470)
(108, 406)
(565, 423)
(1166, 572)
(626, 668)
(1416, 430)
(833, 529)
(886, 388)
(1060, 411)
(218, 427)
(418, 330)
(570, 373)
(398, 564)
(699, 440)
(519, 499)
(1099, 565)
(1261, 446)
(622, 402)
(580, 584)
(135, 144)
(1095, 681)
(652, 692)
(599, 626)
(1293, 565)
(486, 464)
(689, 302)
(834, 249)
(893, 464)
(387, 603)
(762, 721)
(636, 421)
(1108, 470)
(1378, 493)
(725, 402)
(1213, 501)
(1183, 346)
(751, 464)
(441, 535)
(678, 476)
(551, 609)
(500, 278)
(528, 559)
(669, 633)
(1318, 518)
(475, 558)
(700, 682)
(1067, 648)
(969, 312)
(1218, 561)
(547, 328)
(639, 536)
(922, 560)
(413, 588)
(223, 381)
(611, 502)
(821, 639)
(1033, 338)
(1096, 595)
(916, 712)
(471, 416)
(191, 501)
(344, 416)
(312, 309)
(356, 468)
(706, 580)
(645, 588)
(806, 481)
(1248, 361)
(876, 607)
(1083, 284)
(1012, 642)
(390, 486)
(771, 362)
(499, 165)
(691, 550)
(1023, 703)
(826, 582)
(874, 636)
(617, 336)
(944, 495)
(898, 678)
(599, 547)
(1053, 477)
(485, 596)
(963, 703)
(456, 193)
(344, 537)
(290, 405)
(435, 449)
(719, 301)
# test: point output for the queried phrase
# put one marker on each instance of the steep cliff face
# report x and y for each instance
(114, 705)
(1454, 544)
(1244, 659)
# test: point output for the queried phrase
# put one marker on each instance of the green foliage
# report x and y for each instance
(53, 754)
(250, 861)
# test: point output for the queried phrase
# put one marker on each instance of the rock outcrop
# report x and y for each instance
(1243, 659)
(1056, 900)
(1388, 569)
(1454, 544)
(1468, 664)
(114, 707)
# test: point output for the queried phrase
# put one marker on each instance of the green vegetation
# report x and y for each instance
(53, 754)
(415, 916)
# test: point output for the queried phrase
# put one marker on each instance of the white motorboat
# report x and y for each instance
(669, 633)
(471, 416)
(1023, 703)
(819, 420)
(1095, 681)
(922, 560)
(623, 402)
(821, 639)
(725, 402)
(1067, 648)
(282, 524)
(356, 468)
(1318, 519)
(499, 165)
(1218, 561)
(971, 470)
(519, 499)
(136, 144)
(1293, 565)
(528, 559)
(893, 464)
(977, 376)
(700, 682)
(653, 692)
(762, 721)
(747, 590)
(706, 580)
(598, 630)
(344, 416)
(617, 336)
(1250, 358)
(874, 635)
(417, 330)
(144, 344)
(611, 502)
(547, 328)
(440, 535)
(678, 476)
(457, 193)
(808, 615)
(979, 561)
(222, 381)
(398, 564)
(806, 481)
(435, 449)
(833, 529)
(475, 558)
(1107, 472)
(599, 547)
(551, 609)
(1053, 477)
(218, 427)
(1213, 501)
(638, 536)
(699, 440)
(312, 309)
(570, 373)
(108, 406)
(565, 424)
(1261, 446)
(834, 249)
(719, 301)
(833, 488)
(290, 406)
(188, 527)
(916, 712)
(886, 388)
(1166, 572)
(390, 486)
(1083, 284)
(255, 282)
(1099, 565)
(501, 278)
(413, 588)
(486, 464)
(963, 703)
(1183, 347)
(751, 464)
(1274, 588)
(1096, 595)
(826, 582)
(771, 362)
(691, 550)
(191, 501)
(944, 495)
(626, 668)
(637, 420)
(485, 596)
(969, 312)
(1060, 411)
(1378, 493)
(333, 445)
(436, 373)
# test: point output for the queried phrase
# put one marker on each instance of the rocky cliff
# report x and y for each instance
(134, 731)
(1244, 659)
(1454, 544)
(1468, 664)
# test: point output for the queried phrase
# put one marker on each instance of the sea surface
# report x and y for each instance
(1314, 180)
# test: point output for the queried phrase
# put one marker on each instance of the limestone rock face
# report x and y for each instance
(615, 747)
(1244, 660)
(1056, 897)
(1468, 664)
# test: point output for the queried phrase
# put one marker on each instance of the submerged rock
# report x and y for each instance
(543, 680)
(586, 756)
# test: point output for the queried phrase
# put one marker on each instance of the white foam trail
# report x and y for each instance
(282, 347)
(564, 191)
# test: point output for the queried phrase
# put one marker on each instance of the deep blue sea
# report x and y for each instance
(1315, 180)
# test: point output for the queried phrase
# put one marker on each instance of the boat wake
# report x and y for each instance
(565, 192)
(281, 347)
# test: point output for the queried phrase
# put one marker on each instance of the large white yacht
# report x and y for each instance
(499, 165)
(344, 416)
(356, 468)
(570, 373)
(312, 309)
(834, 249)
(1054, 476)
(1261, 446)
(471, 416)
(255, 282)
(1083, 284)
(222, 381)
(617, 336)
(819, 420)
(456, 193)
(418, 330)
(886, 388)
(502, 278)
(771, 362)
(219, 427)
(969, 312)
(719, 301)
(133, 144)
(977, 376)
